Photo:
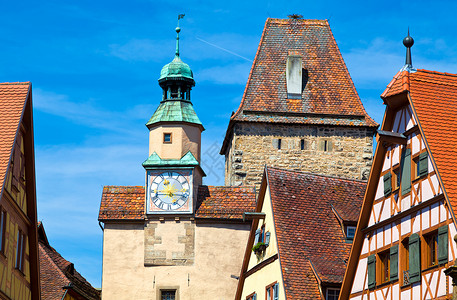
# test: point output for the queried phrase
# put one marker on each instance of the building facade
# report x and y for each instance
(301, 236)
(403, 242)
(173, 238)
(300, 109)
(19, 265)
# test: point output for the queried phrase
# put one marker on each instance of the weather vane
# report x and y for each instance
(180, 16)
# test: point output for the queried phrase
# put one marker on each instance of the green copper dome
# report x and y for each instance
(176, 69)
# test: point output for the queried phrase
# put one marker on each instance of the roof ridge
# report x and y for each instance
(436, 72)
(317, 175)
(228, 186)
(53, 263)
(307, 21)
(16, 83)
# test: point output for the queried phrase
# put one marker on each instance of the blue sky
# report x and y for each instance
(94, 67)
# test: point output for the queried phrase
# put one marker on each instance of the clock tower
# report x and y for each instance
(173, 171)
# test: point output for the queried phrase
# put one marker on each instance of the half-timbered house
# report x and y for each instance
(403, 241)
(300, 237)
(19, 271)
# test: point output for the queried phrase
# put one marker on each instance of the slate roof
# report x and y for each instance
(308, 232)
(13, 97)
(434, 99)
(213, 202)
(56, 273)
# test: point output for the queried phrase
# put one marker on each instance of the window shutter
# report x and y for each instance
(371, 271)
(414, 258)
(257, 236)
(423, 164)
(406, 172)
(443, 244)
(267, 239)
(276, 291)
(394, 262)
(387, 184)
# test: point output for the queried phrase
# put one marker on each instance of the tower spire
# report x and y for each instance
(180, 16)
(408, 42)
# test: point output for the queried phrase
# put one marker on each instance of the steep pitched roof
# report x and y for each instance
(308, 233)
(56, 273)
(13, 97)
(213, 202)
(433, 97)
(329, 96)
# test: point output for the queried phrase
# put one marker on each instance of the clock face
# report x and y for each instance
(168, 191)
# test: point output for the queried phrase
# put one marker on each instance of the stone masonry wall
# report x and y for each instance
(329, 150)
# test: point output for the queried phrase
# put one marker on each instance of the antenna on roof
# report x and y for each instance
(180, 16)
(408, 42)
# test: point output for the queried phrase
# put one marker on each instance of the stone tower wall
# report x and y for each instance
(330, 150)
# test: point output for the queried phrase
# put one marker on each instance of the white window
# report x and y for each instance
(332, 294)
(350, 232)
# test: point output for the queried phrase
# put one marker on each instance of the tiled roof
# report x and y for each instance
(223, 202)
(308, 233)
(329, 91)
(13, 97)
(56, 272)
(329, 96)
(122, 203)
(434, 99)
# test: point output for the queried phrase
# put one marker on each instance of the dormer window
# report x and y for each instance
(294, 76)
(167, 138)
(350, 232)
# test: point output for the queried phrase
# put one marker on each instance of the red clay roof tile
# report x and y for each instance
(56, 272)
(329, 95)
(13, 97)
(308, 232)
(213, 202)
(434, 99)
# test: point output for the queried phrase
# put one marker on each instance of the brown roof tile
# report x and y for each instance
(224, 202)
(308, 232)
(56, 272)
(122, 203)
(213, 202)
(13, 97)
(329, 96)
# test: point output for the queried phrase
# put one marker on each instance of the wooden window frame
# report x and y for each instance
(270, 289)
(396, 178)
(430, 250)
(20, 250)
(404, 261)
(383, 267)
(251, 296)
(3, 216)
(331, 289)
(171, 137)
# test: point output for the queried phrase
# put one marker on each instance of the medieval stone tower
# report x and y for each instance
(300, 109)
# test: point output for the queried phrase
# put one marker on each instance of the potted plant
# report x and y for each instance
(259, 248)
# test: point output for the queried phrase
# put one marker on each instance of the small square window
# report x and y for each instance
(350, 232)
(167, 138)
(168, 294)
(332, 294)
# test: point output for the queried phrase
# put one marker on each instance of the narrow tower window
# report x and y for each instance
(294, 76)
(302, 144)
(167, 138)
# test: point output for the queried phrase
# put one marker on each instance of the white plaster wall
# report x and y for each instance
(219, 251)
(360, 280)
